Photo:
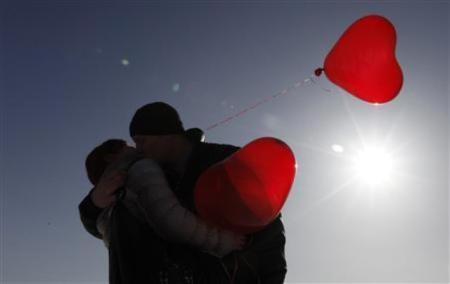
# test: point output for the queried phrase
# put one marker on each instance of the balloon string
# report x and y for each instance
(318, 84)
(265, 100)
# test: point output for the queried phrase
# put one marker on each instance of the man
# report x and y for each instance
(158, 132)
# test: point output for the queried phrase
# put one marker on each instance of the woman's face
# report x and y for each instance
(126, 149)
(110, 158)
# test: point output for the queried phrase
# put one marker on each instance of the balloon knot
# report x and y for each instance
(318, 71)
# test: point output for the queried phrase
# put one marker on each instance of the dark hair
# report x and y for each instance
(95, 161)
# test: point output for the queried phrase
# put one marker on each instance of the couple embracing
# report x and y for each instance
(142, 207)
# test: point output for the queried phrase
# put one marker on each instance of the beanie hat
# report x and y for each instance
(156, 119)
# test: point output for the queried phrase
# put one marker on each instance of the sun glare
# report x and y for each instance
(373, 166)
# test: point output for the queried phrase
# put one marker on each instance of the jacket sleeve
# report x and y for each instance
(103, 224)
(89, 214)
(166, 215)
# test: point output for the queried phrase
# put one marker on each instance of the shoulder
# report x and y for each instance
(207, 154)
(218, 149)
(144, 165)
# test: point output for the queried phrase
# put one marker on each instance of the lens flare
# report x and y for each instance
(374, 165)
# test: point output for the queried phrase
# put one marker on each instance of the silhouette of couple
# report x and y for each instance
(142, 207)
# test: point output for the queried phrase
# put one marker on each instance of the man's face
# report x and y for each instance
(155, 147)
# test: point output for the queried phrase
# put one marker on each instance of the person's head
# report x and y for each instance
(103, 155)
(158, 132)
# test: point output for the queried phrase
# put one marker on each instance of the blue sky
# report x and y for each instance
(74, 72)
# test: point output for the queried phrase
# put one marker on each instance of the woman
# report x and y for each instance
(149, 198)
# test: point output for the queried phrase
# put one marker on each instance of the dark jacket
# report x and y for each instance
(261, 261)
(135, 250)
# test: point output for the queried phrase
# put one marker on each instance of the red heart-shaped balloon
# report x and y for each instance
(363, 60)
(246, 191)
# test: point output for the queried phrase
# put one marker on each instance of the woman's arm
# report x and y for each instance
(166, 215)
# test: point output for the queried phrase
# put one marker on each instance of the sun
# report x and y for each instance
(373, 165)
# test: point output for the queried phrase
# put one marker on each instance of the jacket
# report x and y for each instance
(136, 250)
